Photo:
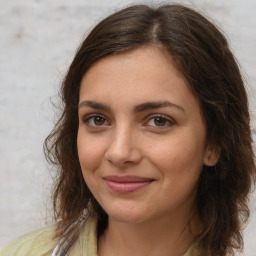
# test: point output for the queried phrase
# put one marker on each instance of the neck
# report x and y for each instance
(148, 238)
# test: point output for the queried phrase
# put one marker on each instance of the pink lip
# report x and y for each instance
(126, 184)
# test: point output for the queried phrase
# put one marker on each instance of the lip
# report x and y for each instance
(127, 184)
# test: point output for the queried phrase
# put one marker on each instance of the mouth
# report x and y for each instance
(126, 184)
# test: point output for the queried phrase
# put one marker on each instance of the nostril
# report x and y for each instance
(120, 157)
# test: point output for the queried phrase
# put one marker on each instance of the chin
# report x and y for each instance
(130, 217)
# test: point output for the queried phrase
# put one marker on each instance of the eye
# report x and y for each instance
(95, 121)
(159, 121)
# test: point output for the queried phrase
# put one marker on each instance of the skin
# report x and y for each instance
(120, 134)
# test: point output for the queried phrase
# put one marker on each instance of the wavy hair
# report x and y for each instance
(202, 54)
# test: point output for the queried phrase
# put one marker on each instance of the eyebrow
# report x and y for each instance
(95, 105)
(156, 104)
(139, 108)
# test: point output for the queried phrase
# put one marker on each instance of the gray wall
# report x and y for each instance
(37, 41)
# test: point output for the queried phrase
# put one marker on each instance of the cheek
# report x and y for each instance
(179, 154)
(90, 152)
(89, 155)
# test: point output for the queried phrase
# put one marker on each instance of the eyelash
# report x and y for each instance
(88, 118)
(164, 118)
(92, 117)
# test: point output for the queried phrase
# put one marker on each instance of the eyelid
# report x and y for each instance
(168, 119)
(86, 118)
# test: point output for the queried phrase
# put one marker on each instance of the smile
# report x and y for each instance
(126, 184)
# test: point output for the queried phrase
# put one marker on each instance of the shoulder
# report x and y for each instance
(193, 250)
(87, 240)
(37, 243)
(42, 243)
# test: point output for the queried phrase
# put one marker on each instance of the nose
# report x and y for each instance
(124, 148)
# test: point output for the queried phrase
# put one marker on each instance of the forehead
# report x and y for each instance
(144, 63)
(142, 74)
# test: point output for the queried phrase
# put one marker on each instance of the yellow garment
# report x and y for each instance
(41, 243)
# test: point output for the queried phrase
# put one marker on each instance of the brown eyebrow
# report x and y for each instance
(94, 104)
(139, 108)
(155, 105)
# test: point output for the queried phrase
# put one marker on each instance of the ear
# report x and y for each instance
(211, 156)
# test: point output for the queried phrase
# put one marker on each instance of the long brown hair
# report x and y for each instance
(202, 55)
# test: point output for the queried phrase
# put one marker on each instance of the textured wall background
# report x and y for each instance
(37, 41)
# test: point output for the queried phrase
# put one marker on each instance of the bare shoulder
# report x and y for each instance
(36, 243)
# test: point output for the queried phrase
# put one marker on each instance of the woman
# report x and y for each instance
(153, 148)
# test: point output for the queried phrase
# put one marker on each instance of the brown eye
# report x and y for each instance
(159, 121)
(95, 121)
(98, 120)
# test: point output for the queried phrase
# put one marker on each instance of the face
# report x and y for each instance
(141, 138)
